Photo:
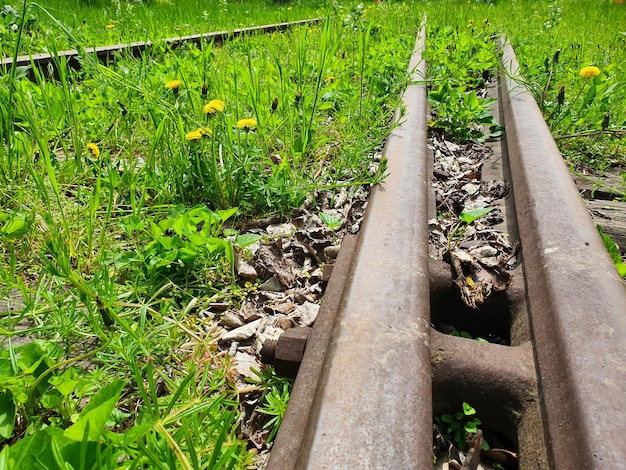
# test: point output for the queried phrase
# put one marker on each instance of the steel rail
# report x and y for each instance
(368, 409)
(106, 54)
(576, 301)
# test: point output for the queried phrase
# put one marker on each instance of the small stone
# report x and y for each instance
(249, 312)
(470, 188)
(331, 252)
(243, 332)
(307, 313)
(231, 320)
(272, 285)
(485, 252)
(245, 271)
(284, 323)
(281, 230)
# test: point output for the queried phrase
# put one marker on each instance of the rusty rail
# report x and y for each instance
(576, 301)
(106, 54)
(374, 372)
(367, 408)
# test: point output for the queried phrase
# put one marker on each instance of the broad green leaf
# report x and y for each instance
(329, 220)
(35, 451)
(51, 398)
(246, 239)
(95, 415)
(135, 433)
(468, 410)
(7, 415)
(197, 238)
(214, 244)
(36, 353)
(470, 216)
(471, 427)
(590, 96)
(226, 214)
(15, 228)
(66, 382)
(613, 250)
(6, 368)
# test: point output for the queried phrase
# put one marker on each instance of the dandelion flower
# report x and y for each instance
(173, 85)
(111, 25)
(246, 124)
(93, 149)
(214, 106)
(589, 72)
(198, 133)
(193, 135)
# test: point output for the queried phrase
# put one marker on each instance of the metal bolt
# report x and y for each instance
(286, 352)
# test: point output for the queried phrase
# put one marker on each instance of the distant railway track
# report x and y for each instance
(47, 62)
(374, 372)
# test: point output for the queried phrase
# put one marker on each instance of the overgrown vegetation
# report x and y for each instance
(554, 41)
(125, 194)
(125, 190)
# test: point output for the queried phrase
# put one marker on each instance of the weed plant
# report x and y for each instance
(554, 41)
(460, 65)
(122, 188)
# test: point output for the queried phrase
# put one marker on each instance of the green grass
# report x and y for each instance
(117, 224)
(115, 218)
(586, 33)
(103, 22)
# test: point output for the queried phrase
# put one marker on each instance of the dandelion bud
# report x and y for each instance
(298, 97)
(205, 89)
(555, 57)
(122, 107)
(560, 99)
(274, 104)
(605, 121)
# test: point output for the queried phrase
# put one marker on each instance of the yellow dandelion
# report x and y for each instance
(173, 85)
(246, 124)
(93, 148)
(330, 79)
(205, 131)
(198, 133)
(589, 72)
(111, 25)
(193, 135)
(214, 106)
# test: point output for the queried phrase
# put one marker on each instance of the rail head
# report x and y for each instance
(367, 403)
(577, 303)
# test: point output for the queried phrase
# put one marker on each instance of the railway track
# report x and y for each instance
(374, 372)
(48, 63)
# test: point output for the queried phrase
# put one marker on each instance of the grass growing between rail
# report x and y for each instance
(123, 193)
(554, 41)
